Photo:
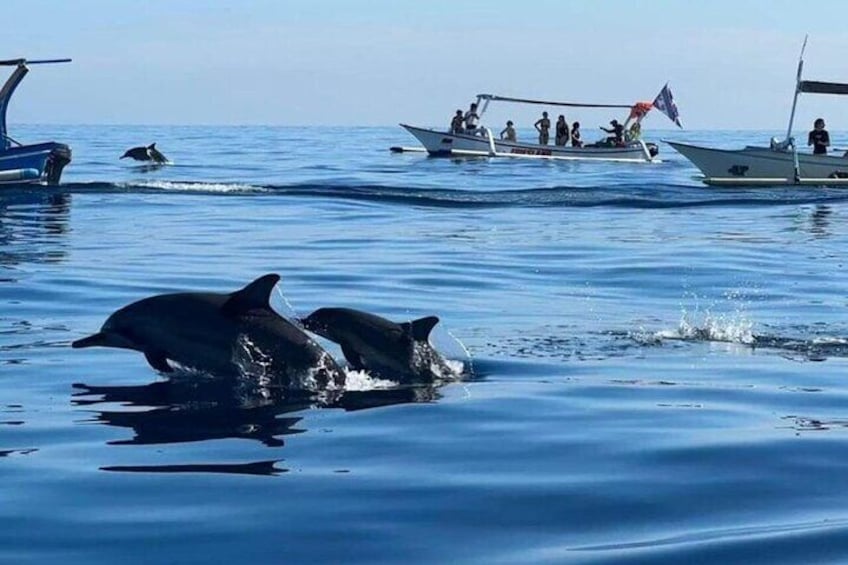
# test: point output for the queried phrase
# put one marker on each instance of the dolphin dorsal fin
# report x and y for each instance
(420, 329)
(152, 146)
(255, 296)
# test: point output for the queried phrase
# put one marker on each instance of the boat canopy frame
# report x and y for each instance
(809, 87)
(485, 99)
(9, 87)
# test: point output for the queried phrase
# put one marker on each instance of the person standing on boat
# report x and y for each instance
(575, 135)
(543, 126)
(471, 119)
(456, 123)
(508, 132)
(561, 131)
(819, 138)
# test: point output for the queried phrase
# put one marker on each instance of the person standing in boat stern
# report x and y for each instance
(471, 119)
(819, 138)
(456, 122)
(508, 132)
(575, 135)
(543, 126)
(561, 131)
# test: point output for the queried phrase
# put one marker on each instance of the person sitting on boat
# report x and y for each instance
(456, 123)
(471, 118)
(508, 132)
(819, 138)
(634, 132)
(575, 135)
(561, 131)
(617, 132)
(543, 126)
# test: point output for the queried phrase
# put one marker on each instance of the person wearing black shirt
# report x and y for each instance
(562, 133)
(617, 132)
(819, 138)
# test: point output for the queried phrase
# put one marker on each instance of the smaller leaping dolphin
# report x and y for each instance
(220, 334)
(149, 153)
(401, 352)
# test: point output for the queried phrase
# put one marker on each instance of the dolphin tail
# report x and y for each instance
(420, 329)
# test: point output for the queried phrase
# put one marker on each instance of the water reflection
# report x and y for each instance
(820, 220)
(257, 468)
(32, 225)
(189, 410)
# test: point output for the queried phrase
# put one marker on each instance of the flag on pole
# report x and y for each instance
(664, 102)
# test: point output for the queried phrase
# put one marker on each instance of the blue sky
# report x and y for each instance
(731, 64)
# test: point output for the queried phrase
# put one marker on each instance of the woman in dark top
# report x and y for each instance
(575, 135)
(819, 138)
(561, 131)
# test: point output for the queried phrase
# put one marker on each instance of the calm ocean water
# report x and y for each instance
(659, 367)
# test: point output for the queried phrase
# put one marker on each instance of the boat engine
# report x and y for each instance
(653, 149)
(59, 157)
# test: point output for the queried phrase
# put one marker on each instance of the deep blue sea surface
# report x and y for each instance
(659, 367)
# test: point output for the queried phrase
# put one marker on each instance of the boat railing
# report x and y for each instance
(645, 150)
(490, 138)
(9, 139)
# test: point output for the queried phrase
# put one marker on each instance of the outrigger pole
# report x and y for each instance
(486, 98)
(15, 62)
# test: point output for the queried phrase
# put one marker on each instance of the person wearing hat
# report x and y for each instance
(617, 132)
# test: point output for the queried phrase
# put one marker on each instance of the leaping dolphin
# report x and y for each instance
(220, 334)
(400, 352)
(149, 153)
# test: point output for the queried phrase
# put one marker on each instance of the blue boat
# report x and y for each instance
(40, 163)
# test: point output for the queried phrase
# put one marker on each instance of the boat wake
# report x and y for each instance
(628, 196)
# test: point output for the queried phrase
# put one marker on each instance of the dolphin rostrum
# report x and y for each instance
(149, 153)
(223, 334)
(400, 352)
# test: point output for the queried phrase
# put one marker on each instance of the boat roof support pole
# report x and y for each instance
(797, 91)
(796, 163)
(5, 95)
(482, 110)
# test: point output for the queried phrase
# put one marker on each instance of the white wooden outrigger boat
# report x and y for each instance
(778, 164)
(484, 143)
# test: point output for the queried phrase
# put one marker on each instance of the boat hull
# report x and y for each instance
(763, 165)
(455, 144)
(40, 163)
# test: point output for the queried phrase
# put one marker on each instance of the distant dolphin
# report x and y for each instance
(400, 352)
(220, 334)
(149, 153)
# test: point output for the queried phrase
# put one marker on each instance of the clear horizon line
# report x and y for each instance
(278, 125)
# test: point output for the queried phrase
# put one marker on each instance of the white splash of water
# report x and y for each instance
(733, 328)
(177, 186)
(362, 381)
(288, 310)
(252, 363)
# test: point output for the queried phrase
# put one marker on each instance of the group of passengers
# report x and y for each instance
(563, 134)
